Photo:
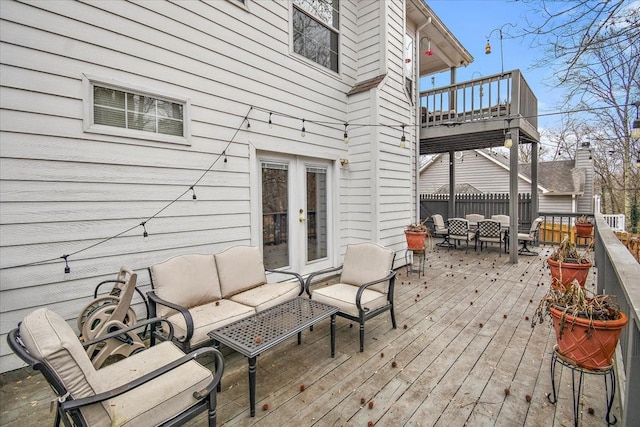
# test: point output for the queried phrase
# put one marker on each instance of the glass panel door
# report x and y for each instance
(275, 209)
(316, 195)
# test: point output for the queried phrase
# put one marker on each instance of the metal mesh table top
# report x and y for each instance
(261, 331)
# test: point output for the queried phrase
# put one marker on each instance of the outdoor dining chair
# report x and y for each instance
(441, 230)
(473, 220)
(489, 231)
(157, 386)
(365, 287)
(532, 236)
(459, 230)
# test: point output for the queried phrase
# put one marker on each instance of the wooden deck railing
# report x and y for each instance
(499, 95)
(618, 274)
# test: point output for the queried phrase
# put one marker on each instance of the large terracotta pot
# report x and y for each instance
(566, 272)
(589, 348)
(415, 239)
(584, 230)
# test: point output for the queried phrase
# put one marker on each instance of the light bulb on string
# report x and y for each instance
(67, 269)
(346, 135)
(303, 131)
(145, 235)
(194, 193)
(224, 153)
(248, 123)
(403, 139)
(270, 122)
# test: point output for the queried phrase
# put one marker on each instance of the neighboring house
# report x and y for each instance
(564, 186)
(116, 115)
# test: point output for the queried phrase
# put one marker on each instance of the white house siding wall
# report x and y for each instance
(64, 189)
(370, 38)
(396, 164)
(471, 168)
(555, 204)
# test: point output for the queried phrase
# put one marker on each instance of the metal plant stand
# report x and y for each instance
(255, 334)
(417, 254)
(577, 374)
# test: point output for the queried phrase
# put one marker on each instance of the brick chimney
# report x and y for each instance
(584, 165)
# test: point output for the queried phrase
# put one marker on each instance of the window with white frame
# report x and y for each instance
(118, 110)
(316, 25)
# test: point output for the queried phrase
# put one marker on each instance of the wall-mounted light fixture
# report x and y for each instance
(344, 162)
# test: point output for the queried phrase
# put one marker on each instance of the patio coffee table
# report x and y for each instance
(255, 334)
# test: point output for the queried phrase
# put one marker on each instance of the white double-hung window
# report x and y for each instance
(131, 112)
(316, 25)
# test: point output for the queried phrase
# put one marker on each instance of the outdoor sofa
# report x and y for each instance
(198, 293)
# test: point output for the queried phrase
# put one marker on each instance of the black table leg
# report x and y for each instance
(252, 385)
(333, 335)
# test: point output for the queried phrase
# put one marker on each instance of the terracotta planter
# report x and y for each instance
(415, 239)
(590, 349)
(584, 230)
(566, 272)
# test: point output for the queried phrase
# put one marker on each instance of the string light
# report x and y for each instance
(508, 141)
(270, 122)
(403, 139)
(224, 153)
(346, 135)
(194, 193)
(248, 124)
(302, 132)
(67, 269)
(145, 235)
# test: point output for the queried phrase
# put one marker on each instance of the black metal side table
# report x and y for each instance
(577, 374)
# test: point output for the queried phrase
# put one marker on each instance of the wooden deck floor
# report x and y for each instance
(463, 338)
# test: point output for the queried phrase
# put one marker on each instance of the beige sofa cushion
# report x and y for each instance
(267, 295)
(343, 296)
(208, 317)
(366, 262)
(159, 399)
(240, 268)
(186, 280)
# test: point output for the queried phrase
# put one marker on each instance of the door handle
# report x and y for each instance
(301, 218)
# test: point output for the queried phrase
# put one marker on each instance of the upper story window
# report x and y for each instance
(316, 26)
(133, 113)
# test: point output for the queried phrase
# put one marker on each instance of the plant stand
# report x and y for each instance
(420, 254)
(577, 374)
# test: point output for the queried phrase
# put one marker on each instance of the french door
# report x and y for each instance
(296, 213)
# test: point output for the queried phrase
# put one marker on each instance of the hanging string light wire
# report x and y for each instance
(141, 224)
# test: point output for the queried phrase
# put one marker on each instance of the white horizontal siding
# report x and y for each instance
(64, 190)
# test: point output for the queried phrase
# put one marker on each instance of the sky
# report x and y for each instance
(471, 21)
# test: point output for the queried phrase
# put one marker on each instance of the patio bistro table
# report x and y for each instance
(255, 334)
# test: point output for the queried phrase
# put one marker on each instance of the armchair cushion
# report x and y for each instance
(267, 295)
(343, 296)
(240, 268)
(359, 269)
(49, 338)
(208, 317)
(186, 280)
(159, 399)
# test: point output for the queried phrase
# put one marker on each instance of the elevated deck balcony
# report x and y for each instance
(476, 113)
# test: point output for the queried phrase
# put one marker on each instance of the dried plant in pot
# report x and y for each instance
(587, 326)
(584, 226)
(417, 235)
(567, 264)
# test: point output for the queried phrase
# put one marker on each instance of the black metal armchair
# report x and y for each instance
(157, 386)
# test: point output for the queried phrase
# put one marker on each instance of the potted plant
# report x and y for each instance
(416, 235)
(587, 326)
(584, 227)
(567, 264)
